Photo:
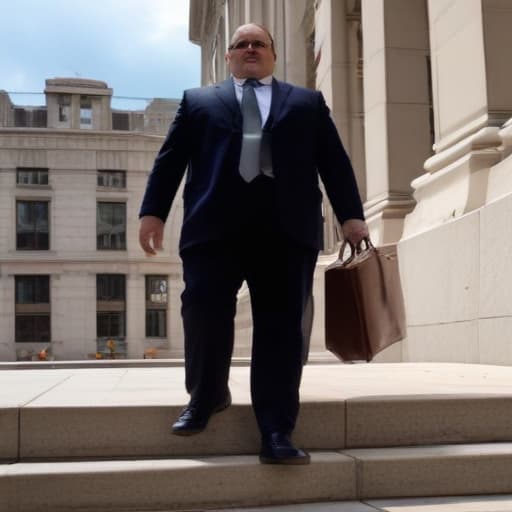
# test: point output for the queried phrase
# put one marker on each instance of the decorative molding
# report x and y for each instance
(485, 139)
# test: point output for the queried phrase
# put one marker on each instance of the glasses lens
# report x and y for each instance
(243, 45)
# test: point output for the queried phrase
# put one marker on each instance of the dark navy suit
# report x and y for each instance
(267, 232)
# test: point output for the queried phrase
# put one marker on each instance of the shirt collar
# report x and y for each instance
(267, 80)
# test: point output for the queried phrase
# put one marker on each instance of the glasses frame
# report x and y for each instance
(254, 45)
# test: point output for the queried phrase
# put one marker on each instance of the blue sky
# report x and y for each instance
(139, 47)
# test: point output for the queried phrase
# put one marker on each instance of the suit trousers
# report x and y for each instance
(279, 276)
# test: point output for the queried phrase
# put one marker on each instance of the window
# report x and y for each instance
(30, 117)
(32, 323)
(156, 306)
(120, 121)
(85, 112)
(112, 179)
(111, 226)
(111, 311)
(32, 226)
(110, 287)
(64, 102)
(31, 176)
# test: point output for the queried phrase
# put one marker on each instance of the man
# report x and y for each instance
(254, 148)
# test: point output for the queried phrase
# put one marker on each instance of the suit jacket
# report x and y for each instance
(205, 138)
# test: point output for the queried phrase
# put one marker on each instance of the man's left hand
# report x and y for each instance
(354, 230)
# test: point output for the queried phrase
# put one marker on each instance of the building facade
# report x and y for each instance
(74, 283)
(420, 92)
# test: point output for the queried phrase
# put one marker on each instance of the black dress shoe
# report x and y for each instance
(277, 448)
(194, 419)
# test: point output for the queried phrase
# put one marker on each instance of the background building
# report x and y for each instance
(72, 275)
(420, 92)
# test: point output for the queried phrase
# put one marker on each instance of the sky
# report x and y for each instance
(139, 47)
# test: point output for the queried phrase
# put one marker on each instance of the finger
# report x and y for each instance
(145, 243)
(157, 240)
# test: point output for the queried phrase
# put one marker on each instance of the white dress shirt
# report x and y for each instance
(263, 95)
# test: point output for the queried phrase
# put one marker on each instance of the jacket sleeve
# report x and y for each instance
(169, 167)
(335, 169)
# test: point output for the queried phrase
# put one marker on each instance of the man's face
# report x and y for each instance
(255, 60)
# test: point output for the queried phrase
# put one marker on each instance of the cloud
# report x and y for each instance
(167, 18)
(139, 47)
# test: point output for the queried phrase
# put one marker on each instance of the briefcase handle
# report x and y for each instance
(355, 250)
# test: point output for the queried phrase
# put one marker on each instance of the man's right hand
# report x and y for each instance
(151, 234)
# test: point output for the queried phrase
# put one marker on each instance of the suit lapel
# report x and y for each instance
(280, 91)
(226, 93)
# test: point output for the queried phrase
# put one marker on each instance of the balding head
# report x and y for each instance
(251, 52)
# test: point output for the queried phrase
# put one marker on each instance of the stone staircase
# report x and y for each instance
(98, 439)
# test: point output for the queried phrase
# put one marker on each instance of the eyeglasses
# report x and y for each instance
(243, 45)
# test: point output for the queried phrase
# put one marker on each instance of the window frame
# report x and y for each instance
(112, 303)
(86, 116)
(36, 245)
(156, 307)
(122, 245)
(37, 172)
(110, 175)
(35, 310)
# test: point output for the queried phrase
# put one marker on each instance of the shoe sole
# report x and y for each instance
(192, 432)
(292, 461)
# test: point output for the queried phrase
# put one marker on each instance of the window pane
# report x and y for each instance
(156, 289)
(25, 221)
(111, 226)
(64, 102)
(85, 112)
(32, 176)
(156, 323)
(110, 287)
(23, 177)
(32, 328)
(32, 226)
(102, 324)
(113, 179)
(43, 178)
(110, 324)
(32, 289)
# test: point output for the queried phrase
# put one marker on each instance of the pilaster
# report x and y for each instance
(7, 345)
(337, 55)
(135, 314)
(397, 109)
(472, 103)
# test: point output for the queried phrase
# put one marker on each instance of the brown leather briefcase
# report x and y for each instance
(364, 306)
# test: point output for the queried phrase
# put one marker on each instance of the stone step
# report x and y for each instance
(127, 412)
(174, 484)
(482, 503)
(42, 432)
(240, 481)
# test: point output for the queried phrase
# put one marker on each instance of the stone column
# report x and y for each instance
(471, 78)
(337, 56)
(293, 54)
(7, 317)
(73, 310)
(174, 321)
(397, 111)
(135, 314)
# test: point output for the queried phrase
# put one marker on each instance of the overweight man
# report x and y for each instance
(253, 149)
